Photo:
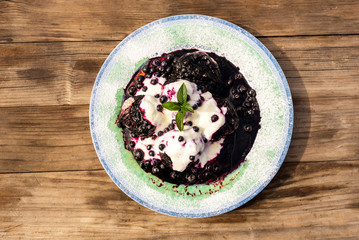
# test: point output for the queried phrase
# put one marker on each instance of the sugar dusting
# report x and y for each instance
(261, 75)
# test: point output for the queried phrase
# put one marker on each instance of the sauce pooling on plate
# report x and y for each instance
(216, 137)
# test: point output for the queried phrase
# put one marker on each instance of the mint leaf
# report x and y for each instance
(182, 94)
(172, 106)
(187, 107)
(179, 119)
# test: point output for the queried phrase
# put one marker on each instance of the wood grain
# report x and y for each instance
(46, 139)
(52, 185)
(64, 73)
(56, 138)
(87, 204)
(29, 21)
(44, 114)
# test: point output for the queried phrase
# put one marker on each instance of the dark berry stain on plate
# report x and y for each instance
(216, 138)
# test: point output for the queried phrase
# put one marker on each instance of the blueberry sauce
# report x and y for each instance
(212, 80)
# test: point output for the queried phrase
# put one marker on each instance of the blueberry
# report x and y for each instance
(209, 167)
(180, 138)
(162, 166)
(200, 177)
(247, 128)
(174, 175)
(156, 62)
(202, 98)
(251, 93)
(195, 106)
(163, 63)
(154, 81)
(145, 69)
(250, 112)
(157, 96)
(189, 123)
(241, 88)
(154, 137)
(132, 90)
(199, 103)
(207, 174)
(236, 96)
(214, 118)
(132, 144)
(168, 69)
(216, 169)
(151, 153)
(238, 76)
(138, 154)
(205, 140)
(230, 82)
(167, 129)
(140, 78)
(159, 108)
(146, 165)
(192, 158)
(144, 89)
(163, 99)
(169, 57)
(161, 147)
(188, 98)
(171, 126)
(139, 85)
(160, 133)
(250, 99)
(155, 170)
(149, 147)
(195, 128)
(191, 178)
(142, 165)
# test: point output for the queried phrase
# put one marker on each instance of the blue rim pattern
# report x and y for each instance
(236, 29)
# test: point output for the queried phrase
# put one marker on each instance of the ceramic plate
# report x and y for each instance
(262, 73)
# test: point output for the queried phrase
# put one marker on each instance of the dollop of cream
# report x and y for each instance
(180, 146)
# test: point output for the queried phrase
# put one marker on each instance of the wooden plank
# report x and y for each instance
(28, 21)
(46, 139)
(304, 201)
(56, 138)
(64, 73)
(50, 74)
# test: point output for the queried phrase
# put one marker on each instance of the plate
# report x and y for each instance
(260, 69)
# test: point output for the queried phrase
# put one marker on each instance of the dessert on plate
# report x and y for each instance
(189, 117)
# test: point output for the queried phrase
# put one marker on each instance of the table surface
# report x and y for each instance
(52, 184)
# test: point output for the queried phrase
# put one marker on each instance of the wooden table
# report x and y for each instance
(52, 184)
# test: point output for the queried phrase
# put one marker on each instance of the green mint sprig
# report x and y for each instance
(181, 106)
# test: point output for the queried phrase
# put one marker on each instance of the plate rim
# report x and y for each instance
(236, 29)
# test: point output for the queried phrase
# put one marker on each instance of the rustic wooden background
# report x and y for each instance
(52, 185)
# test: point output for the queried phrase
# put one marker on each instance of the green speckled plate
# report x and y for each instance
(261, 71)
